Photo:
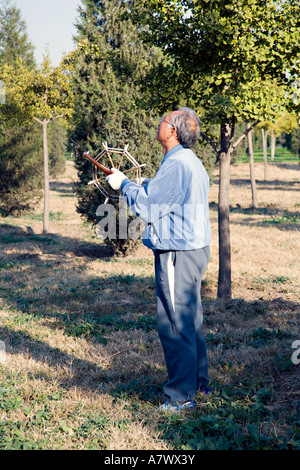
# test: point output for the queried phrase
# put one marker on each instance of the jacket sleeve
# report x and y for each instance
(155, 199)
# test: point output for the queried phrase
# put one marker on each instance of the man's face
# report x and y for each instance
(163, 129)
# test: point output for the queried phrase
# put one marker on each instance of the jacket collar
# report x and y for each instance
(172, 151)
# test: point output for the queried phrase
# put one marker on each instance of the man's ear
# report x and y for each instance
(173, 132)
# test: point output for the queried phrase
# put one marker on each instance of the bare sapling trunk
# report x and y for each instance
(264, 142)
(251, 164)
(224, 281)
(46, 179)
(273, 145)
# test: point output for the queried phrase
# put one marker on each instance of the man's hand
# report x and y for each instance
(115, 180)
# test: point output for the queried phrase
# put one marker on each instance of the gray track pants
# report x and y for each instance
(178, 277)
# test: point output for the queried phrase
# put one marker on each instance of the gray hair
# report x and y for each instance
(188, 126)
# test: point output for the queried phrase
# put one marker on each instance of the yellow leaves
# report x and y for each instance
(43, 94)
(14, 79)
(90, 49)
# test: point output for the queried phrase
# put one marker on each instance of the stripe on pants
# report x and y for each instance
(171, 279)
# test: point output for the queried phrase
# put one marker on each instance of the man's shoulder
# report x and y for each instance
(187, 158)
(182, 153)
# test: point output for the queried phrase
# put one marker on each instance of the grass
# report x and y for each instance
(52, 216)
(83, 366)
(281, 155)
(289, 218)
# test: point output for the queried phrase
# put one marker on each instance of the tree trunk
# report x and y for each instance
(264, 142)
(46, 178)
(224, 281)
(273, 142)
(251, 163)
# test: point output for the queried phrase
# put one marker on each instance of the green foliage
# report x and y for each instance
(20, 143)
(217, 57)
(14, 42)
(285, 122)
(20, 168)
(47, 93)
(216, 54)
(293, 142)
(57, 138)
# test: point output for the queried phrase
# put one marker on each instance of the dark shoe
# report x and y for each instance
(204, 389)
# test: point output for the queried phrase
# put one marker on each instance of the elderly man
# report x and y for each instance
(174, 205)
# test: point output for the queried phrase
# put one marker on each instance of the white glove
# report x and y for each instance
(115, 180)
(142, 181)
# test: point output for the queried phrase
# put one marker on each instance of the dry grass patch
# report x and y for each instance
(83, 363)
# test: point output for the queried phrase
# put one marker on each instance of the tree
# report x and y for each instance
(48, 96)
(216, 55)
(110, 59)
(21, 178)
(285, 122)
(14, 42)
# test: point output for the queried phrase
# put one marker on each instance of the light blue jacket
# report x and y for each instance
(174, 204)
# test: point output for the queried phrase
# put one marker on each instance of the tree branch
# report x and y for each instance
(245, 134)
(208, 139)
(57, 117)
(36, 119)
